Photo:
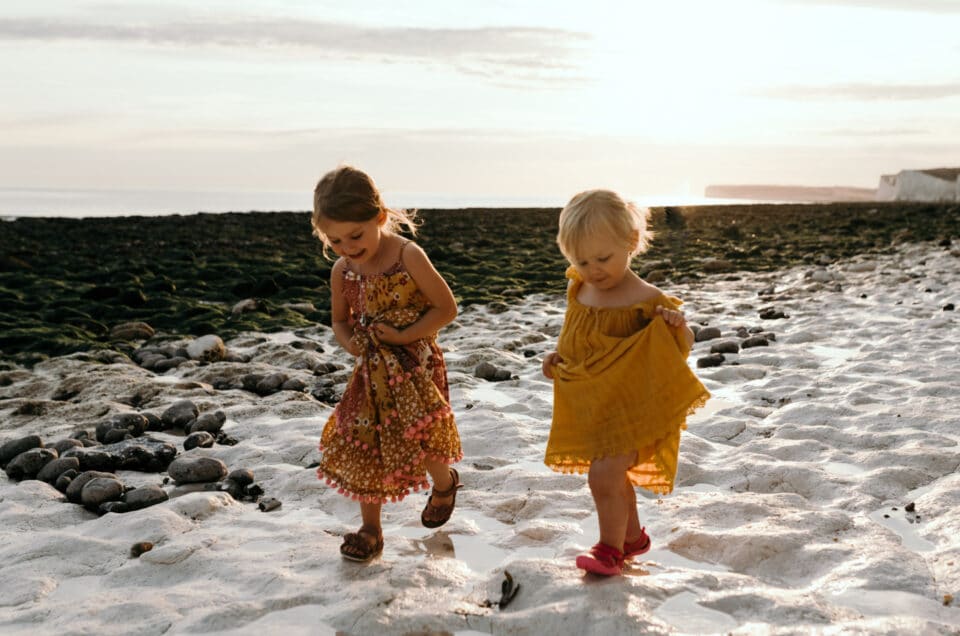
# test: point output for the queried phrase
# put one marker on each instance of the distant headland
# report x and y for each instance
(933, 184)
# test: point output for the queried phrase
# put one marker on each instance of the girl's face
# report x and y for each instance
(603, 262)
(358, 241)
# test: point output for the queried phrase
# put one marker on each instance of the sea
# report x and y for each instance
(40, 202)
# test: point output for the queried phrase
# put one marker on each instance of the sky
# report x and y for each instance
(503, 99)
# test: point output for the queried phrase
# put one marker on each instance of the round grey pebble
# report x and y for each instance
(52, 471)
(75, 488)
(100, 490)
(180, 414)
(199, 439)
(26, 465)
(712, 360)
(144, 496)
(192, 470)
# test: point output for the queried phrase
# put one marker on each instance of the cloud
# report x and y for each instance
(865, 92)
(544, 52)
(918, 6)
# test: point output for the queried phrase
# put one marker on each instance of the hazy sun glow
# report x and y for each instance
(464, 98)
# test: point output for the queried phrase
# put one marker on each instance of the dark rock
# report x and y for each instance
(254, 491)
(707, 333)
(294, 384)
(64, 480)
(139, 548)
(226, 440)
(63, 445)
(491, 373)
(243, 476)
(52, 470)
(769, 313)
(154, 423)
(712, 360)
(14, 447)
(727, 346)
(233, 488)
(270, 384)
(948, 307)
(910, 507)
(161, 366)
(118, 507)
(26, 465)
(116, 435)
(199, 439)
(144, 454)
(133, 423)
(755, 341)
(93, 459)
(191, 470)
(144, 496)
(75, 488)
(209, 422)
(268, 504)
(99, 490)
(180, 414)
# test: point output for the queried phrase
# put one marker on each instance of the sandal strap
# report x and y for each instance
(456, 485)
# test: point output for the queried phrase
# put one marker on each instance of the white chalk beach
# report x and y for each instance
(789, 515)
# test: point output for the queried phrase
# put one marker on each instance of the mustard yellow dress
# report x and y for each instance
(623, 386)
(395, 410)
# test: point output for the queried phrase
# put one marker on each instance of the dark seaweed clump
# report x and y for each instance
(64, 283)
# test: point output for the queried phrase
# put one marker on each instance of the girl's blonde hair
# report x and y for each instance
(349, 194)
(602, 213)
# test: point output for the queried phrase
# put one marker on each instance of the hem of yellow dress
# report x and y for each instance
(578, 465)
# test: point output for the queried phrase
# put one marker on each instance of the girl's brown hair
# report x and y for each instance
(349, 194)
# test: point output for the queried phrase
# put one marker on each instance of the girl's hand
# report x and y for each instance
(553, 359)
(672, 317)
(388, 334)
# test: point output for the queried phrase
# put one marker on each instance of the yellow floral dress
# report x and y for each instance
(623, 386)
(395, 411)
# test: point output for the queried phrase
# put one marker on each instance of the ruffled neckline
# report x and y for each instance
(578, 282)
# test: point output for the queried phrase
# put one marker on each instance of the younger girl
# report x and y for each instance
(393, 424)
(621, 385)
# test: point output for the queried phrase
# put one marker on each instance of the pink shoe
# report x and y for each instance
(602, 560)
(638, 547)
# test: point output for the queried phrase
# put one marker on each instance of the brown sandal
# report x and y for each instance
(358, 547)
(442, 513)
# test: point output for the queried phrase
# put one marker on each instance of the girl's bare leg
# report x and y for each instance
(370, 513)
(633, 519)
(606, 478)
(442, 479)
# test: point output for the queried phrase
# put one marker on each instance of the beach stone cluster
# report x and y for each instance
(745, 339)
(83, 466)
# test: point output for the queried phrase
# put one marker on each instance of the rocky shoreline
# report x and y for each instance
(68, 285)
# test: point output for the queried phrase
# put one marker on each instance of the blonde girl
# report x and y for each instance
(622, 388)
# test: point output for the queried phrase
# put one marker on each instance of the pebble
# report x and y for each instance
(100, 490)
(16, 446)
(191, 470)
(144, 496)
(26, 465)
(180, 414)
(200, 439)
(712, 360)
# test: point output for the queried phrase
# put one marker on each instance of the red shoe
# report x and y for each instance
(602, 560)
(638, 547)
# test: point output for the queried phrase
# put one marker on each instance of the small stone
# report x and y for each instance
(14, 447)
(200, 439)
(712, 360)
(139, 548)
(910, 507)
(180, 414)
(209, 422)
(189, 470)
(707, 333)
(268, 504)
(144, 497)
(100, 490)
